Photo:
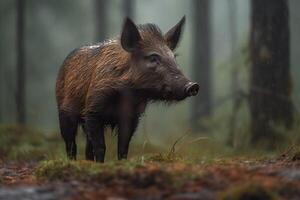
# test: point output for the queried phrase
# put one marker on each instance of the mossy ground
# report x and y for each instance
(204, 169)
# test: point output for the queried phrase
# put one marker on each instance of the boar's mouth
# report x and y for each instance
(190, 89)
(168, 94)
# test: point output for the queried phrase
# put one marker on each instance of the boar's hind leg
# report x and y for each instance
(89, 152)
(127, 127)
(68, 128)
(95, 131)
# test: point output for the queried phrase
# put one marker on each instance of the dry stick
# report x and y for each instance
(193, 141)
(172, 150)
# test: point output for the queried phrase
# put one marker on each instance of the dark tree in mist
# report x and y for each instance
(128, 6)
(1, 110)
(21, 71)
(270, 82)
(232, 18)
(100, 10)
(202, 59)
(1, 87)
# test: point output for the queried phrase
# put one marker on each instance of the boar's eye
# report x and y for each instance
(154, 58)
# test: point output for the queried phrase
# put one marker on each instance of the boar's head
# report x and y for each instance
(153, 61)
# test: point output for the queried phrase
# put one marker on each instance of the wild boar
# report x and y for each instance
(111, 83)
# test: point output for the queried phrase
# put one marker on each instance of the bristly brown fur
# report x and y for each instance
(148, 31)
(111, 83)
(94, 71)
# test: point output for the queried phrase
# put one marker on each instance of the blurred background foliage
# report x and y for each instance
(54, 28)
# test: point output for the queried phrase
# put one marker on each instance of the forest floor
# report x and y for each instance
(155, 176)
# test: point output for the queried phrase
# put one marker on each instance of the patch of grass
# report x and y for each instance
(133, 172)
(138, 148)
(64, 169)
(122, 172)
(25, 144)
(247, 192)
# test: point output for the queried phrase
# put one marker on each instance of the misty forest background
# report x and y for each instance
(245, 55)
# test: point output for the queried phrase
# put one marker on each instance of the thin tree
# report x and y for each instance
(128, 7)
(232, 9)
(1, 86)
(1, 92)
(270, 82)
(101, 19)
(202, 104)
(21, 70)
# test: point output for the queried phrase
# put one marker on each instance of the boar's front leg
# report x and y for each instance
(127, 123)
(95, 133)
(126, 129)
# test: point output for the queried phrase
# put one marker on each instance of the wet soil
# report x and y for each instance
(280, 177)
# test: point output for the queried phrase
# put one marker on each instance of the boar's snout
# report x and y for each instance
(191, 89)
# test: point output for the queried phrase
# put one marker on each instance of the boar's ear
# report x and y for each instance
(130, 36)
(172, 37)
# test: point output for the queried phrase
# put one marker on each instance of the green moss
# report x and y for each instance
(125, 172)
(25, 144)
(63, 169)
(248, 191)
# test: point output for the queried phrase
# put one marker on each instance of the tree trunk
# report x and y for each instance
(202, 60)
(21, 70)
(101, 19)
(270, 82)
(1, 92)
(232, 7)
(128, 7)
(1, 87)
